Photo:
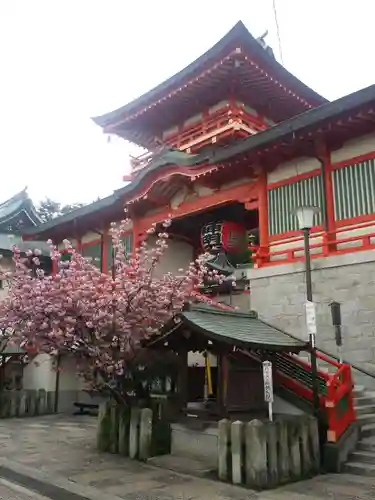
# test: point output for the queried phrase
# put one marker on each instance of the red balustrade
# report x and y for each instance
(339, 402)
(330, 244)
(213, 124)
(335, 389)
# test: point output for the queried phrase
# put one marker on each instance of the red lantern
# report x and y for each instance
(228, 236)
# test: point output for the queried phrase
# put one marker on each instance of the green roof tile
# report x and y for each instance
(239, 329)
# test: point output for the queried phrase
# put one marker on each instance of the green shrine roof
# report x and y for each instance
(239, 329)
(17, 213)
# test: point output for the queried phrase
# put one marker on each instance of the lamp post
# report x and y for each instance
(305, 216)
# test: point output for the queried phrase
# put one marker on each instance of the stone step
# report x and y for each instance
(364, 409)
(367, 399)
(359, 468)
(366, 444)
(366, 418)
(358, 391)
(363, 457)
(368, 430)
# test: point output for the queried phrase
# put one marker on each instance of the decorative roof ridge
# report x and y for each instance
(238, 33)
(212, 309)
(20, 196)
(18, 203)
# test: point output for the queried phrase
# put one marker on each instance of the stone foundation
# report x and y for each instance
(278, 294)
(202, 443)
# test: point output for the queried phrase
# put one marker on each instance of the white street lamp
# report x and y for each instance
(305, 216)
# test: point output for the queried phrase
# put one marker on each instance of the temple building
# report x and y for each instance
(233, 144)
(16, 215)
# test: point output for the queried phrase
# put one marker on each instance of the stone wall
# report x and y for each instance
(278, 294)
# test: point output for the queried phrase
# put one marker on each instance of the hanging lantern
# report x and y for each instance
(226, 235)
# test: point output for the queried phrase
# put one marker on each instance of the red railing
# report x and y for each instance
(212, 124)
(335, 389)
(336, 400)
(295, 374)
(330, 245)
(339, 403)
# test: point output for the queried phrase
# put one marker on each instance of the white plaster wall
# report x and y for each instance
(7, 264)
(238, 182)
(177, 256)
(69, 385)
(197, 359)
(39, 374)
(292, 168)
(283, 407)
(90, 236)
(355, 147)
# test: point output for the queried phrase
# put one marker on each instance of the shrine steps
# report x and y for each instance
(362, 460)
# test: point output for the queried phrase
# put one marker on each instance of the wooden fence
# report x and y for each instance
(136, 433)
(26, 403)
(267, 454)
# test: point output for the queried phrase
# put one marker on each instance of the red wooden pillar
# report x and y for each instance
(136, 235)
(263, 218)
(329, 223)
(104, 250)
(79, 244)
(54, 267)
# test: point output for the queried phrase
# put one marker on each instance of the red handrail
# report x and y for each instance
(263, 257)
(320, 233)
(339, 393)
(214, 121)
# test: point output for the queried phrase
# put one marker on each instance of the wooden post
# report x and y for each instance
(237, 430)
(223, 449)
(104, 240)
(263, 217)
(328, 207)
(256, 455)
(182, 383)
(145, 434)
(223, 378)
(54, 267)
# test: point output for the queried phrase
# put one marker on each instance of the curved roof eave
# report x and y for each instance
(238, 32)
(293, 125)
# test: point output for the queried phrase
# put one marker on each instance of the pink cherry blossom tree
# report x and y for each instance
(101, 319)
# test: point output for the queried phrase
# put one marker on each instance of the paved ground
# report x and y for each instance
(62, 449)
(12, 491)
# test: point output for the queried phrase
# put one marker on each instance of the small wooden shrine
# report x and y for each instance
(239, 341)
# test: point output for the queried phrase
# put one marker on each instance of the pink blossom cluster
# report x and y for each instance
(101, 318)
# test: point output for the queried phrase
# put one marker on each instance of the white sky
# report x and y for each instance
(62, 62)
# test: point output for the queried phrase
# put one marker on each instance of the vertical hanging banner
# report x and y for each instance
(268, 386)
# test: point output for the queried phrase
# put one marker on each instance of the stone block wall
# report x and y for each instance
(278, 294)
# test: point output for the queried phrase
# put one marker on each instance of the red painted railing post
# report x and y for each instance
(339, 393)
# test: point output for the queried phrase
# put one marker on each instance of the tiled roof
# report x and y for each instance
(239, 329)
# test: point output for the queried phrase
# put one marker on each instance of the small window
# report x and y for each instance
(1, 285)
